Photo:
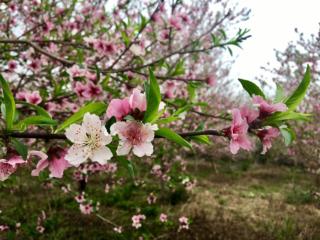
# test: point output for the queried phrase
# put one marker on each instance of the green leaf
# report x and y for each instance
(287, 134)
(280, 94)
(20, 148)
(94, 107)
(251, 88)
(179, 69)
(9, 103)
(127, 164)
(173, 136)
(41, 111)
(37, 120)
(167, 120)
(278, 117)
(153, 96)
(297, 96)
(202, 139)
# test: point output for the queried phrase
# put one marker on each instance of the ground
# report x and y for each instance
(232, 200)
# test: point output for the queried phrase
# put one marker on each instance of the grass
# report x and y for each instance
(232, 200)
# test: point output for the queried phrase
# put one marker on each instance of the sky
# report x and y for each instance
(272, 25)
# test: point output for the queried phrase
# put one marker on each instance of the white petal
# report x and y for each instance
(124, 148)
(77, 154)
(101, 155)
(117, 128)
(92, 124)
(76, 134)
(149, 131)
(105, 136)
(143, 149)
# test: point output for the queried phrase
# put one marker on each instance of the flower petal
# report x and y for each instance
(124, 148)
(57, 167)
(41, 165)
(92, 124)
(105, 137)
(143, 149)
(101, 155)
(77, 154)
(76, 134)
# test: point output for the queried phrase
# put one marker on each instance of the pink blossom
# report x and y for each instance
(249, 114)
(40, 229)
(266, 136)
(151, 198)
(33, 98)
(80, 89)
(86, 208)
(75, 71)
(21, 95)
(56, 162)
(165, 34)
(134, 135)
(136, 220)
(35, 65)
(92, 90)
(184, 223)
(4, 228)
(163, 218)
(118, 229)
(238, 133)
(266, 108)
(211, 80)
(169, 89)
(175, 23)
(7, 167)
(118, 108)
(138, 101)
(12, 65)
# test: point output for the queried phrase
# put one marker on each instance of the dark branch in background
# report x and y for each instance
(38, 49)
(48, 136)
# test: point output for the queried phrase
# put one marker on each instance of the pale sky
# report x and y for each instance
(272, 25)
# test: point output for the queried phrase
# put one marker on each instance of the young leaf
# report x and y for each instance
(41, 111)
(294, 100)
(94, 107)
(287, 134)
(9, 103)
(202, 139)
(284, 116)
(280, 95)
(171, 135)
(20, 148)
(251, 88)
(153, 96)
(37, 120)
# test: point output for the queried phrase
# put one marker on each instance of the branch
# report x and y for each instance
(48, 136)
(38, 49)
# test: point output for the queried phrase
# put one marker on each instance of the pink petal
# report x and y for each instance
(118, 108)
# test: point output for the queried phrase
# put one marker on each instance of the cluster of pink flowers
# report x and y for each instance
(245, 117)
(133, 134)
(29, 97)
(137, 219)
(86, 206)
